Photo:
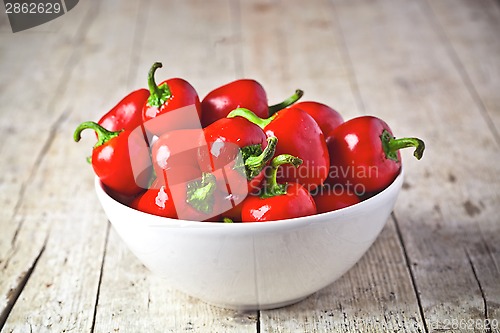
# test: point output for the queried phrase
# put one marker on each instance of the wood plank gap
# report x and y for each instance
(462, 72)
(487, 247)
(257, 323)
(345, 321)
(75, 55)
(346, 59)
(255, 264)
(14, 293)
(61, 89)
(490, 253)
(282, 43)
(410, 271)
(38, 161)
(137, 40)
(483, 295)
(63, 3)
(235, 12)
(99, 282)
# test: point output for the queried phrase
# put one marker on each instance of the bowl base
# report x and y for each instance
(256, 307)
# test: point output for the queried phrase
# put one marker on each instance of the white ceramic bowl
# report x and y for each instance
(259, 265)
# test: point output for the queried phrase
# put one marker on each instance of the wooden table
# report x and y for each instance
(430, 68)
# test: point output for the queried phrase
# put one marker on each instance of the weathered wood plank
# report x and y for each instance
(33, 86)
(359, 57)
(374, 296)
(28, 119)
(286, 46)
(132, 299)
(451, 195)
(470, 29)
(377, 294)
(59, 201)
(199, 48)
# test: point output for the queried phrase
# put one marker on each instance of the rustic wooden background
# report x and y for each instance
(430, 68)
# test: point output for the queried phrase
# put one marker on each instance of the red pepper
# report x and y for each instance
(365, 155)
(172, 94)
(278, 201)
(226, 139)
(234, 214)
(244, 93)
(299, 135)
(328, 199)
(174, 151)
(111, 158)
(327, 118)
(175, 161)
(159, 199)
(127, 114)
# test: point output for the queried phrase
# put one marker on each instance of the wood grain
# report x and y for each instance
(470, 31)
(270, 53)
(429, 68)
(29, 119)
(156, 307)
(60, 294)
(413, 84)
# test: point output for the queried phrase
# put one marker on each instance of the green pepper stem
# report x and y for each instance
(103, 135)
(255, 164)
(273, 188)
(158, 94)
(251, 117)
(286, 103)
(285, 159)
(227, 220)
(153, 88)
(200, 193)
(391, 145)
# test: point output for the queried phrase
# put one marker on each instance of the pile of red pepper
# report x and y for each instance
(233, 158)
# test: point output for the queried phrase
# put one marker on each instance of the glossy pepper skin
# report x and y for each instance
(159, 200)
(234, 213)
(298, 135)
(278, 201)
(127, 114)
(170, 95)
(365, 154)
(327, 118)
(228, 139)
(174, 151)
(243, 93)
(175, 162)
(111, 158)
(328, 200)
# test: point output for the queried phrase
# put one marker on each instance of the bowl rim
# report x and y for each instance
(161, 221)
